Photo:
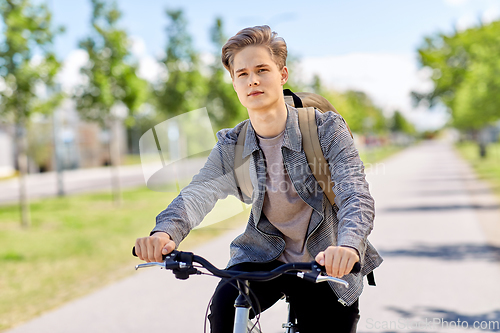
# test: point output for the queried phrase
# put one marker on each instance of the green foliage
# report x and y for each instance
(185, 88)
(110, 70)
(400, 124)
(466, 74)
(26, 60)
(355, 107)
(222, 102)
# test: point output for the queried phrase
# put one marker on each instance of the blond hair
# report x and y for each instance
(255, 36)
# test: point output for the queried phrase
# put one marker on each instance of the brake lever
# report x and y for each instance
(316, 277)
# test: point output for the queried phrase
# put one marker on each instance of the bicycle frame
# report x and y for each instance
(290, 325)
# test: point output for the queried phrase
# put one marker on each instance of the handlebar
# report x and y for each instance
(181, 264)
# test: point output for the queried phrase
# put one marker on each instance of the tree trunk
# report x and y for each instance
(114, 154)
(483, 140)
(57, 155)
(482, 149)
(22, 161)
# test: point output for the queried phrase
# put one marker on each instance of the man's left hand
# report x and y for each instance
(338, 260)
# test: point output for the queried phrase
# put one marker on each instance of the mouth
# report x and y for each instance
(255, 93)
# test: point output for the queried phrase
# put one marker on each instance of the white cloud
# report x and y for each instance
(456, 2)
(387, 78)
(70, 76)
(138, 47)
(430, 119)
(467, 21)
(149, 68)
(491, 14)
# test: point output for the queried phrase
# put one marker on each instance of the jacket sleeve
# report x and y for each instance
(352, 196)
(214, 181)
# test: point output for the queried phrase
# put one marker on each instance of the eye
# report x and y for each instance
(262, 70)
(241, 74)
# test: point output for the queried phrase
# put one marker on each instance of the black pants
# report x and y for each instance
(316, 306)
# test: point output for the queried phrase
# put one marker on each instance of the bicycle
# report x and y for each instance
(182, 266)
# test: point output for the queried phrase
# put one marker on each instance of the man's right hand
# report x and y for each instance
(153, 247)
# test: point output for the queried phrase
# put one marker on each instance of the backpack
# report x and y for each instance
(305, 103)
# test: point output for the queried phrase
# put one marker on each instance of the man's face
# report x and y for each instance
(257, 79)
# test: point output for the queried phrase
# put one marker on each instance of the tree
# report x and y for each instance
(222, 102)
(356, 108)
(466, 71)
(400, 124)
(185, 88)
(113, 89)
(27, 61)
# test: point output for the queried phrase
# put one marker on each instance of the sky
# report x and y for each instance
(359, 44)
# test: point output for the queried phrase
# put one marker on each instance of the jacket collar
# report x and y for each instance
(292, 138)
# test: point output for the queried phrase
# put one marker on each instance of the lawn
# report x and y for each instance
(75, 245)
(486, 168)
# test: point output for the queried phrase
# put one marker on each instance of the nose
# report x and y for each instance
(253, 80)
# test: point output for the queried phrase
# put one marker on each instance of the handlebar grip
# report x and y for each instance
(163, 256)
(355, 269)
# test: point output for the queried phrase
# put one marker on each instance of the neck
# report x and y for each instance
(270, 122)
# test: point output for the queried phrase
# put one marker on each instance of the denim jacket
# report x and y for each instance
(348, 222)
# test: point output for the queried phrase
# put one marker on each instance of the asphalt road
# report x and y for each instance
(436, 227)
(88, 180)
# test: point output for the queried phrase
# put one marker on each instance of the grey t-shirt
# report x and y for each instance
(282, 205)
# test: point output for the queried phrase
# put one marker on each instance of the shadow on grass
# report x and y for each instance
(427, 208)
(454, 252)
(427, 193)
(444, 179)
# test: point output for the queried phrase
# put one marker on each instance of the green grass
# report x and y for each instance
(131, 159)
(377, 154)
(487, 168)
(75, 245)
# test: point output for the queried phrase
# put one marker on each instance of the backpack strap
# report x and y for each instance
(297, 102)
(242, 165)
(371, 279)
(314, 154)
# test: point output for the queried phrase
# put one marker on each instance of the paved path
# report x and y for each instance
(438, 261)
(86, 180)
(439, 264)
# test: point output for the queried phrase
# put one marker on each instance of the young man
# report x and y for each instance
(291, 220)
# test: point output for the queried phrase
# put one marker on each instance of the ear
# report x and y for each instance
(284, 75)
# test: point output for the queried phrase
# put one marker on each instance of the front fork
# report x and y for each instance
(242, 308)
(242, 313)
